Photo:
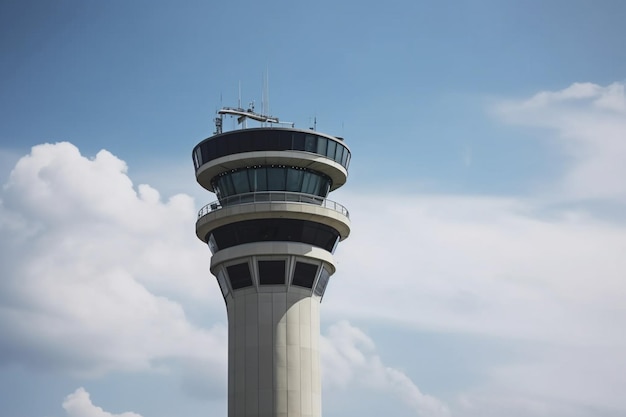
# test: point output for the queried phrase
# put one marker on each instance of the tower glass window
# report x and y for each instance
(271, 140)
(271, 178)
(322, 282)
(304, 274)
(221, 280)
(271, 272)
(278, 230)
(239, 275)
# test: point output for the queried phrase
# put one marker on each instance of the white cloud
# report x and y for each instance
(546, 277)
(349, 358)
(94, 269)
(78, 404)
(500, 269)
(590, 125)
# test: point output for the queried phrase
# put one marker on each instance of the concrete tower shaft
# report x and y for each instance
(272, 232)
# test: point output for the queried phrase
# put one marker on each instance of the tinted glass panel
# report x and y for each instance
(221, 280)
(332, 147)
(269, 140)
(285, 141)
(310, 144)
(197, 158)
(298, 143)
(239, 276)
(294, 180)
(271, 272)
(321, 146)
(220, 148)
(276, 178)
(245, 143)
(260, 142)
(212, 244)
(322, 282)
(227, 185)
(261, 179)
(338, 154)
(304, 275)
(240, 182)
(306, 182)
(277, 230)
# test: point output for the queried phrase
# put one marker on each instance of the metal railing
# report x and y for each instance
(272, 197)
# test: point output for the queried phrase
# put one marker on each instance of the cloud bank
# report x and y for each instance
(587, 123)
(542, 273)
(93, 269)
(350, 359)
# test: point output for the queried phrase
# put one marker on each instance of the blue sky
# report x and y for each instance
(483, 276)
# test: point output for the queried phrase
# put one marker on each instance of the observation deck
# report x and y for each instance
(271, 185)
(272, 146)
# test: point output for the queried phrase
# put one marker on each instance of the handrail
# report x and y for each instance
(272, 196)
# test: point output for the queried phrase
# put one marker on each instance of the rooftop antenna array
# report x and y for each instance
(244, 114)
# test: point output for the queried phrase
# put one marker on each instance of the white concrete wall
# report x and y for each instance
(273, 357)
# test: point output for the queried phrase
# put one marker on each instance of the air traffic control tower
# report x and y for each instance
(272, 233)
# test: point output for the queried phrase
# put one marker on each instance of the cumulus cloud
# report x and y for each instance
(349, 357)
(78, 404)
(491, 266)
(542, 273)
(95, 269)
(549, 286)
(589, 122)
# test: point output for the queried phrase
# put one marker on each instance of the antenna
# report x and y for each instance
(267, 91)
(219, 119)
(243, 115)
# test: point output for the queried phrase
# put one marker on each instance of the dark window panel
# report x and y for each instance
(321, 146)
(271, 272)
(330, 150)
(220, 147)
(212, 244)
(260, 143)
(239, 276)
(304, 275)
(310, 143)
(294, 180)
(276, 230)
(344, 158)
(273, 140)
(228, 186)
(221, 281)
(246, 142)
(339, 153)
(306, 182)
(252, 179)
(298, 143)
(225, 237)
(285, 140)
(240, 182)
(276, 178)
(322, 282)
